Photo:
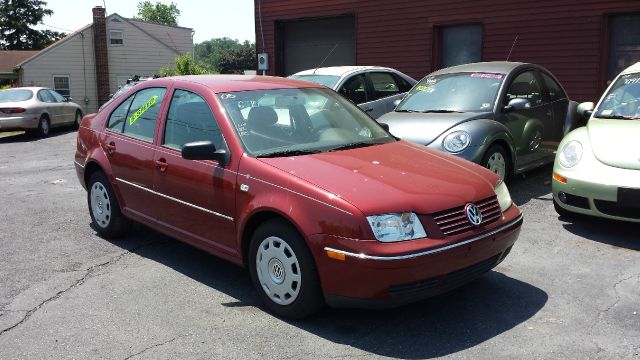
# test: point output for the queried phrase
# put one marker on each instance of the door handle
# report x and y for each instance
(111, 148)
(161, 164)
(368, 110)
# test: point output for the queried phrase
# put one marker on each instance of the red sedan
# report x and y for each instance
(296, 183)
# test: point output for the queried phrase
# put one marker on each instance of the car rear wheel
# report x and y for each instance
(283, 271)
(78, 119)
(496, 160)
(44, 127)
(104, 209)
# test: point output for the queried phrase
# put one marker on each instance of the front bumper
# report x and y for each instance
(592, 189)
(387, 279)
(19, 122)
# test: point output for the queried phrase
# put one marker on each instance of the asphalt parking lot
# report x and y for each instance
(570, 289)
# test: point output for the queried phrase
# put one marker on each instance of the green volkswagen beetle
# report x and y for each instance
(597, 168)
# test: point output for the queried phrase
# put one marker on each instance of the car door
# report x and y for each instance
(128, 143)
(531, 127)
(51, 106)
(384, 90)
(196, 198)
(559, 106)
(66, 113)
(354, 88)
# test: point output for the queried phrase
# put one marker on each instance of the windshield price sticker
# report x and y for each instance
(432, 81)
(487, 75)
(631, 79)
(425, 88)
(133, 118)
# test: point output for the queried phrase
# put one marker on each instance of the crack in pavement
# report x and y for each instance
(85, 277)
(155, 346)
(615, 288)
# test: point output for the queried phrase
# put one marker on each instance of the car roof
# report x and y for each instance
(231, 83)
(32, 88)
(500, 67)
(632, 69)
(340, 70)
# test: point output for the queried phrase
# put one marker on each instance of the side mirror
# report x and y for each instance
(110, 96)
(204, 150)
(517, 104)
(68, 99)
(385, 126)
(585, 110)
(396, 103)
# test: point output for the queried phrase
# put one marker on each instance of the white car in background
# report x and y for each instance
(374, 89)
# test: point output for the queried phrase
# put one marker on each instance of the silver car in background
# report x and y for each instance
(374, 89)
(36, 110)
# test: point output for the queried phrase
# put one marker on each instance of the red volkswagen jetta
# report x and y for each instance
(296, 183)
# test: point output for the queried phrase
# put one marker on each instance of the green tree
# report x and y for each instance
(226, 55)
(17, 19)
(158, 13)
(183, 65)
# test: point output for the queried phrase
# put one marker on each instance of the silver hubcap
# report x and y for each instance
(44, 125)
(497, 164)
(535, 142)
(78, 119)
(100, 205)
(278, 270)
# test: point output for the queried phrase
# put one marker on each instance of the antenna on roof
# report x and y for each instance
(512, 46)
(325, 58)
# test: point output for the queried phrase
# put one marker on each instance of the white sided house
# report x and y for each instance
(96, 60)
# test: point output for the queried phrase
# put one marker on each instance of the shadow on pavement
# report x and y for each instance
(26, 137)
(435, 327)
(615, 233)
(534, 184)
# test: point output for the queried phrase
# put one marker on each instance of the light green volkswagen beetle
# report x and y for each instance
(597, 168)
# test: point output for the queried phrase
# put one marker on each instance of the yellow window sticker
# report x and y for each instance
(425, 88)
(133, 118)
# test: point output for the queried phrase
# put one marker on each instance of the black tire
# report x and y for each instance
(44, 127)
(562, 212)
(309, 298)
(115, 224)
(77, 120)
(491, 152)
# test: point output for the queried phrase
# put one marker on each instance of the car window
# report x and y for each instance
(118, 116)
(11, 95)
(56, 97)
(525, 86)
(45, 96)
(402, 83)
(190, 119)
(555, 90)
(623, 99)
(143, 113)
(384, 85)
(354, 89)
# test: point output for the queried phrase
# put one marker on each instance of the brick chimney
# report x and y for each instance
(101, 56)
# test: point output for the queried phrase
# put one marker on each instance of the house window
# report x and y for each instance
(115, 37)
(61, 85)
(624, 44)
(460, 44)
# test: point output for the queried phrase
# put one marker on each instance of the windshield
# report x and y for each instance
(11, 95)
(623, 99)
(326, 80)
(456, 92)
(289, 122)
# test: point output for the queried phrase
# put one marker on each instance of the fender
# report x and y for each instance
(485, 132)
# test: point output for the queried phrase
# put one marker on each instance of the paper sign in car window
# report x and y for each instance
(631, 79)
(425, 88)
(487, 75)
(133, 118)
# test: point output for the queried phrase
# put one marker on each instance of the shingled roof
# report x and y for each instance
(9, 59)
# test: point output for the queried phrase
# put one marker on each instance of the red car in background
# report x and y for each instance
(296, 183)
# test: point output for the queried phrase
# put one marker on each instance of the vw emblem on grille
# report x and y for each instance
(473, 214)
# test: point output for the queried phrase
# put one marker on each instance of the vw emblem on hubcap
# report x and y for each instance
(473, 214)
(276, 270)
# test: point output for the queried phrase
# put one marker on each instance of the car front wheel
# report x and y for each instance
(283, 271)
(104, 209)
(496, 160)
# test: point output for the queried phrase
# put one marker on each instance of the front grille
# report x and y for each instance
(578, 201)
(454, 221)
(441, 284)
(614, 209)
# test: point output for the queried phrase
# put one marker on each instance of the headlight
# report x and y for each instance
(396, 227)
(504, 198)
(570, 154)
(456, 141)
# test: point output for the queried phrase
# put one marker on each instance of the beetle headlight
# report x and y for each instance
(570, 154)
(504, 198)
(456, 141)
(396, 227)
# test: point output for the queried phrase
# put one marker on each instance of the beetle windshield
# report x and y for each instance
(623, 99)
(326, 80)
(11, 95)
(456, 92)
(289, 122)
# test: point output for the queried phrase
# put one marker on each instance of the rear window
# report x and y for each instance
(12, 95)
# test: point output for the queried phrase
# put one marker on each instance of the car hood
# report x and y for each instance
(393, 177)
(615, 142)
(424, 128)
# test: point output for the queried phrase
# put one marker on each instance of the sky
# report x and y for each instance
(211, 19)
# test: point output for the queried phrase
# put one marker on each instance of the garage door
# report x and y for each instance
(307, 42)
